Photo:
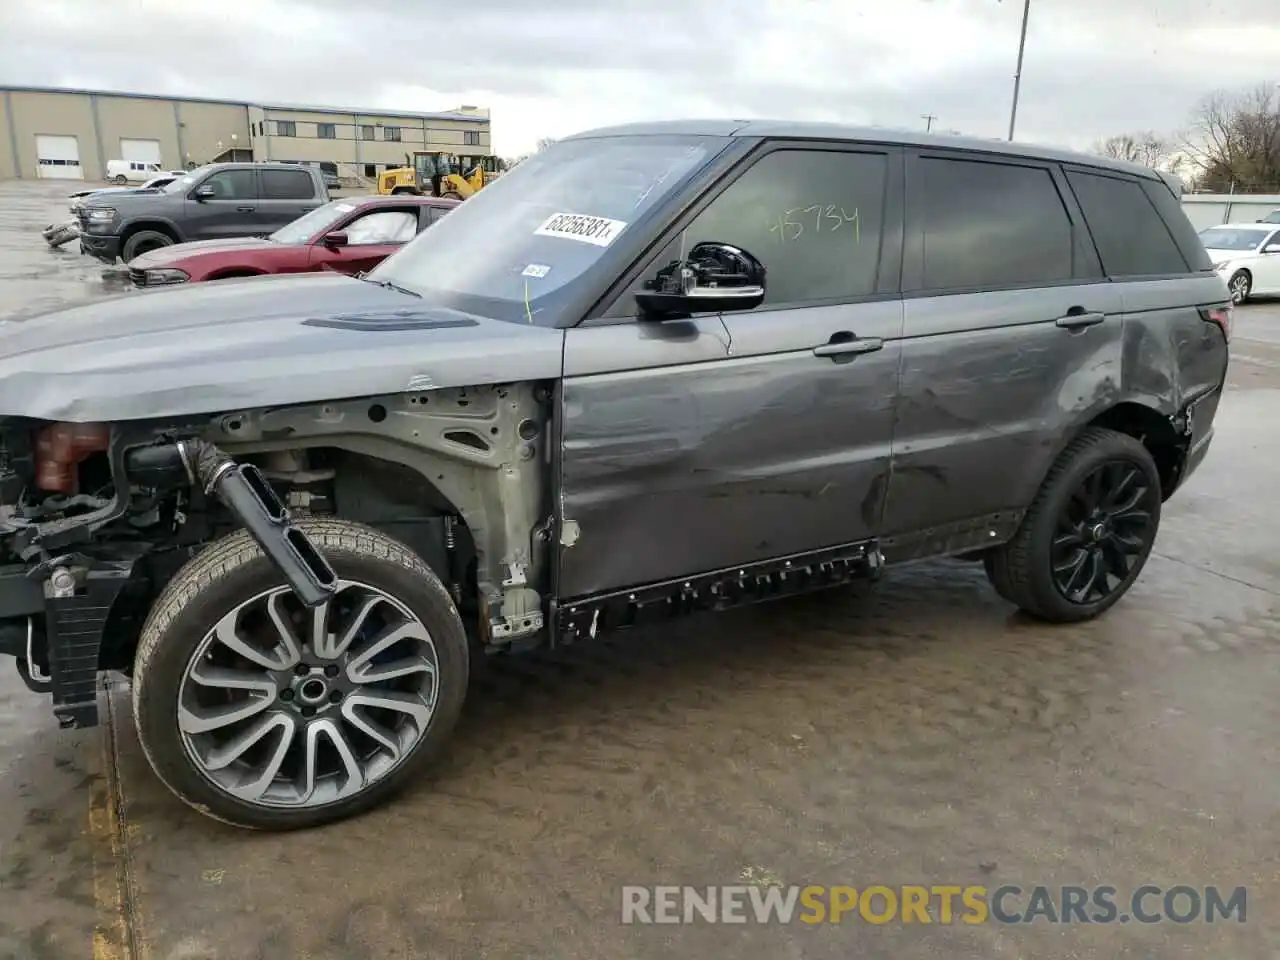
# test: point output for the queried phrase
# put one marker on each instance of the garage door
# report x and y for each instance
(58, 158)
(140, 151)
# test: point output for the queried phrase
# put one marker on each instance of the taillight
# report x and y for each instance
(1222, 316)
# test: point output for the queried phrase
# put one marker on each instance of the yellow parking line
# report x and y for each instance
(116, 935)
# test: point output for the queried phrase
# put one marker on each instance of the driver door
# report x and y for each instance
(699, 445)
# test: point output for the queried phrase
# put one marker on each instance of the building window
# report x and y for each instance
(371, 170)
(285, 128)
(326, 131)
(391, 133)
(366, 132)
(471, 138)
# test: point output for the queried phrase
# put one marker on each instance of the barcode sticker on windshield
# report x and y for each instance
(600, 231)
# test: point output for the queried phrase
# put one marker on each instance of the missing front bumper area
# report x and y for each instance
(53, 629)
(55, 608)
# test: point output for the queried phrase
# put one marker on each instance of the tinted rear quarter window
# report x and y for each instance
(287, 185)
(990, 225)
(1131, 237)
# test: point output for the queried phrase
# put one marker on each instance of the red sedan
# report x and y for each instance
(349, 235)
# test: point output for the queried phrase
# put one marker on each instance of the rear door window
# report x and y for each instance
(1131, 238)
(287, 185)
(989, 225)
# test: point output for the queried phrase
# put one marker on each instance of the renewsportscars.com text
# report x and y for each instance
(937, 903)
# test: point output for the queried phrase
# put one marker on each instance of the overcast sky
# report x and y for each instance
(550, 67)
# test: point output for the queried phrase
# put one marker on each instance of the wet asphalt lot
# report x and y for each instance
(921, 732)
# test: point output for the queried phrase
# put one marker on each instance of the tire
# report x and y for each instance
(1023, 570)
(142, 241)
(120, 179)
(401, 190)
(452, 195)
(221, 579)
(1240, 285)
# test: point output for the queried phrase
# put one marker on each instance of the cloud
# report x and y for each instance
(550, 67)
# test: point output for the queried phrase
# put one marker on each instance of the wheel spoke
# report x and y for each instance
(374, 731)
(412, 704)
(379, 672)
(1068, 541)
(199, 719)
(1073, 571)
(1118, 488)
(1116, 560)
(281, 620)
(226, 678)
(327, 729)
(383, 642)
(273, 721)
(321, 638)
(259, 782)
(1131, 502)
(228, 634)
(343, 643)
(1093, 570)
(1128, 543)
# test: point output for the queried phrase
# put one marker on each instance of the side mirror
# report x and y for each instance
(338, 238)
(205, 191)
(715, 278)
(1271, 248)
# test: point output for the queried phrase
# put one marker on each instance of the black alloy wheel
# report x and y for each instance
(1104, 530)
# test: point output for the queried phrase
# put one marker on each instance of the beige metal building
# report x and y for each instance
(56, 133)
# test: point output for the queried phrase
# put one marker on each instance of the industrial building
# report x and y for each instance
(56, 133)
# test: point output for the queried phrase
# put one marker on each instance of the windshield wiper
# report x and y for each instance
(388, 285)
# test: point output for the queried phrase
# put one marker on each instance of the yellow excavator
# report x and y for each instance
(441, 175)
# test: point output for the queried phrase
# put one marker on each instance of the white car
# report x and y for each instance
(1247, 255)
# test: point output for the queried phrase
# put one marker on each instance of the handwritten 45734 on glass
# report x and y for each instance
(816, 218)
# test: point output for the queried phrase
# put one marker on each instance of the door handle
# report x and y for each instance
(1077, 318)
(246, 209)
(848, 348)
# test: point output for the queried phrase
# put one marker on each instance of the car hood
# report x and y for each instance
(1222, 256)
(237, 344)
(111, 191)
(165, 256)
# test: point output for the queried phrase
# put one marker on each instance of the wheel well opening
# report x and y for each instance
(1154, 432)
(157, 227)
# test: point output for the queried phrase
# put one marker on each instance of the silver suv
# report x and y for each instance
(652, 370)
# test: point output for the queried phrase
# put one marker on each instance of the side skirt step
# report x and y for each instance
(588, 617)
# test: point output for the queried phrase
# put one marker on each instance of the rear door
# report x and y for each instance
(285, 194)
(1010, 336)
(228, 213)
(372, 236)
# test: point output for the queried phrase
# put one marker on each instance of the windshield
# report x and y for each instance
(309, 224)
(1227, 238)
(522, 240)
(1272, 217)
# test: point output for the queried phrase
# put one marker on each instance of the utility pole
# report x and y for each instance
(928, 119)
(1017, 76)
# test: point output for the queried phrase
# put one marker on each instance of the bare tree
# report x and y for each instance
(1235, 141)
(1146, 148)
(543, 143)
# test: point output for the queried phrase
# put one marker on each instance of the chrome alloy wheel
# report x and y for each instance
(281, 706)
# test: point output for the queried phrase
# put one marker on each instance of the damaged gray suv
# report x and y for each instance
(652, 370)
